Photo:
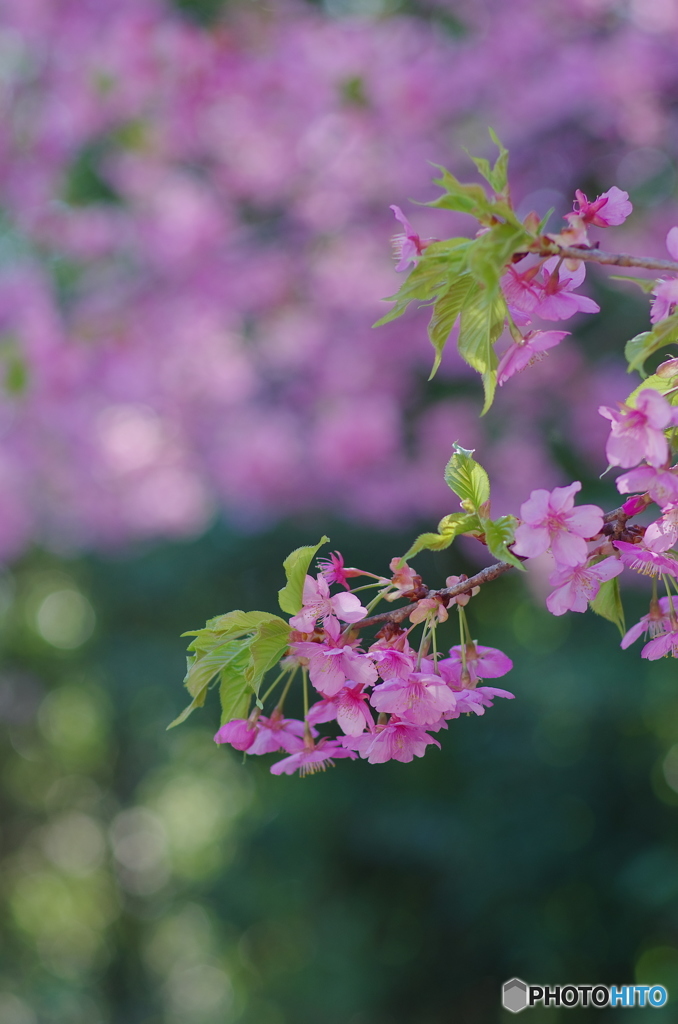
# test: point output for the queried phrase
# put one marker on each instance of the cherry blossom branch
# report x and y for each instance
(615, 521)
(615, 259)
(398, 614)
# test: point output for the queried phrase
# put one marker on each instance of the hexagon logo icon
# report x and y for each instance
(514, 995)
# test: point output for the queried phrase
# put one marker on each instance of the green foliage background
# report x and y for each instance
(151, 877)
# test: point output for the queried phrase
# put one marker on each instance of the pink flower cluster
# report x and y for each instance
(413, 695)
(638, 435)
(550, 522)
(545, 288)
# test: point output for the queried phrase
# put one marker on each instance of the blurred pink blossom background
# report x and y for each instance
(194, 243)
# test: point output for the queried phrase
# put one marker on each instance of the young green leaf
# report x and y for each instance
(296, 567)
(482, 321)
(429, 279)
(267, 647)
(646, 284)
(667, 386)
(448, 528)
(641, 347)
(499, 533)
(608, 604)
(468, 480)
(235, 693)
(445, 313)
(222, 627)
(204, 666)
(470, 199)
(499, 176)
(492, 250)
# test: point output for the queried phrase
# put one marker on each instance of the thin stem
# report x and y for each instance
(308, 735)
(422, 642)
(273, 685)
(546, 247)
(462, 637)
(281, 702)
(668, 583)
(435, 646)
(367, 586)
(672, 613)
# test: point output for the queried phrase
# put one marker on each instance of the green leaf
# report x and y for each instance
(639, 349)
(204, 666)
(482, 321)
(266, 648)
(470, 199)
(499, 176)
(430, 278)
(221, 627)
(492, 250)
(445, 313)
(468, 480)
(541, 227)
(197, 702)
(235, 693)
(646, 284)
(608, 604)
(656, 383)
(448, 528)
(296, 567)
(499, 533)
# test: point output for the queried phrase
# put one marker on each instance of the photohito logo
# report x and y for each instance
(517, 995)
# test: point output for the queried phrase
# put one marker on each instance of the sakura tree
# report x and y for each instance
(393, 694)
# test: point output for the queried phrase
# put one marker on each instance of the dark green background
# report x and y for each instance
(541, 841)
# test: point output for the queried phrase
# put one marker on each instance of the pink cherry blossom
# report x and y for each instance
(312, 758)
(521, 355)
(317, 604)
(422, 698)
(609, 209)
(656, 622)
(433, 608)
(393, 659)
(549, 519)
(407, 245)
(638, 431)
(634, 506)
(277, 733)
(332, 662)
(661, 646)
(239, 732)
(404, 579)
(557, 300)
(481, 663)
(665, 298)
(332, 569)
(663, 534)
(666, 289)
(649, 563)
(478, 699)
(397, 741)
(347, 707)
(521, 286)
(661, 484)
(460, 599)
(577, 585)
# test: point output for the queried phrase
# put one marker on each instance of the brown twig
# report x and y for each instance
(546, 247)
(398, 614)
